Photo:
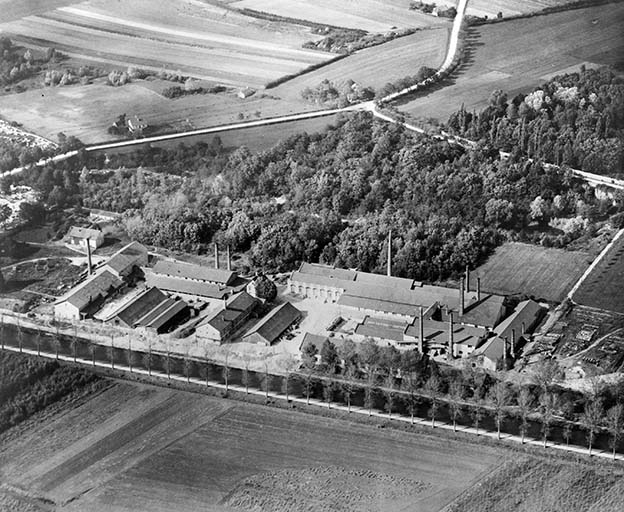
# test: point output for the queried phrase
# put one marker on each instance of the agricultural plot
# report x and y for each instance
(376, 66)
(541, 272)
(604, 287)
(491, 8)
(203, 42)
(369, 15)
(518, 55)
(141, 448)
(87, 111)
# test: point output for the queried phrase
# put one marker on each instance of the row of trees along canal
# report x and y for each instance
(382, 378)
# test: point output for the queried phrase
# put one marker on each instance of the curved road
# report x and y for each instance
(369, 106)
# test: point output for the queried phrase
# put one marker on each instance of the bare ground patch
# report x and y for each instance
(322, 489)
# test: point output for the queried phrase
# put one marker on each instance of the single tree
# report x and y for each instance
(369, 391)
(20, 336)
(412, 380)
(131, 357)
(188, 368)
(74, 347)
(266, 380)
(328, 391)
(347, 353)
(525, 403)
(566, 432)
(546, 373)
(111, 352)
(389, 392)
(226, 371)
(498, 397)
(286, 385)
(548, 406)
(477, 412)
(432, 389)
(455, 398)
(329, 356)
(348, 385)
(92, 348)
(265, 288)
(39, 343)
(615, 422)
(591, 419)
(2, 330)
(245, 375)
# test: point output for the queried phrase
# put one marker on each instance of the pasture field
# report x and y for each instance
(604, 287)
(544, 273)
(134, 447)
(87, 111)
(203, 41)
(376, 66)
(369, 15)
(518, 55)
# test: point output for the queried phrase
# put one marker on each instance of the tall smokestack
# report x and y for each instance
(467, 278)
(461, 297)
(216, 247)
(449, 355)
(421, 331)
(505, 352)
(389, 272)
(478, 288)
(513, 343)
(89, 262)
(228, 256)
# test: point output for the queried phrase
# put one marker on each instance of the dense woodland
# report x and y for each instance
(576, 120)
(334, 196)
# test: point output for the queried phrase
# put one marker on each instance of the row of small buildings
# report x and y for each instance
(127, 291)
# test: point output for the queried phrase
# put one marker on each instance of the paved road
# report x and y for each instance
(369, 106)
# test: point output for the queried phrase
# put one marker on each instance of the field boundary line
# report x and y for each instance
(594, 264)
(480, 432)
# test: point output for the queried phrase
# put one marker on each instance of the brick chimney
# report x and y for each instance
(389, 271)
(228, 256)
(478, 288)
(421, 331)
(461, 297)
(467, 278)
(216, 249)
(449, 355)
(89, 262)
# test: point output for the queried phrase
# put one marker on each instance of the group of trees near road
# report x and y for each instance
(575, 120)
(407, 379)
(334, 196)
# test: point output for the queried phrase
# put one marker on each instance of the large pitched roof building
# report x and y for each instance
(87, 297)
(123, 262)
(221, 324)
(268, 330)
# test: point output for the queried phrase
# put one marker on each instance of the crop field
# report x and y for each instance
(603, 288)
(203, 41)
(518, 55)
(491, 8)
(369, 15)
(376, 66)
(134, 447)
(544, 273)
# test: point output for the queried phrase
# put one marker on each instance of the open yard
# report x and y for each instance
(135, 447)
(369, 15)
(604, 287)
(544, 273)
(200, 40)
(518, 55)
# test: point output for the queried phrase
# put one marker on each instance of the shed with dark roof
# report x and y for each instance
(268, 330)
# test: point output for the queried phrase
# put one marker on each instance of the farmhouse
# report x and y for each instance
(221, 324)
(127, 259)
(151, 310)
(79, 237)
(88, 297)
(268, 330)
